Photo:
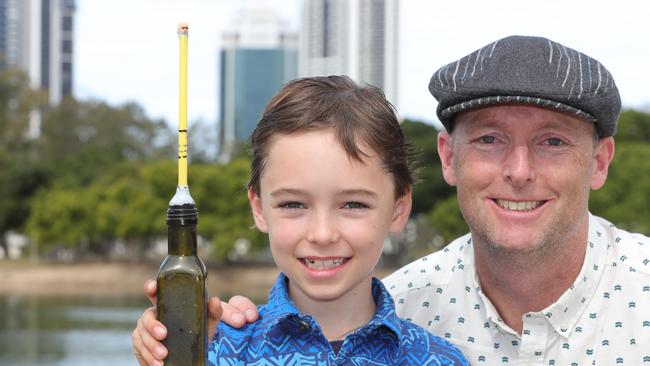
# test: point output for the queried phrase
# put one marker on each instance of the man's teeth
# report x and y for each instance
(323, 264)
(518, 206)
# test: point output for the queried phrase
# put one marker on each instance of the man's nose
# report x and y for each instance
(519, 167)
(323, 229)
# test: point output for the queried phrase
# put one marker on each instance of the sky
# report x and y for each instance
(127, 50)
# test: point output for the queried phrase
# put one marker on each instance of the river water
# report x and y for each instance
(67, 331)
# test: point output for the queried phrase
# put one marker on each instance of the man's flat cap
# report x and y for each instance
(528, 70)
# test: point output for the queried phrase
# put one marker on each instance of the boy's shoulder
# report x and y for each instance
(422, 346)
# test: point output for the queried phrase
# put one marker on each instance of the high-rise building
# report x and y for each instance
(258, 55)
(357, 38)
(37, 37)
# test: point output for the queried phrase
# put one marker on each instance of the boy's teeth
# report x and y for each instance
(518, 206)
(323, 264)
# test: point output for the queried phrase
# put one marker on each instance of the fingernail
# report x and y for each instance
(237, 318)
(157, 363)
(160, 333)
(250, 314)
(160, 351)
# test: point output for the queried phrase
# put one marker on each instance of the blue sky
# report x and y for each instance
(127, 50)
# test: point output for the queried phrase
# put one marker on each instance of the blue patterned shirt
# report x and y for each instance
(285, 336)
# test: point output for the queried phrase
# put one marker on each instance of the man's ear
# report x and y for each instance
(401, 212)
(603, 157)
(258, 212)
(445, 152)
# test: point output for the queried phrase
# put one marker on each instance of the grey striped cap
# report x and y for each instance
(528, 70)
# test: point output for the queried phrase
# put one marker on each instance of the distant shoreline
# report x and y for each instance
(119, 279)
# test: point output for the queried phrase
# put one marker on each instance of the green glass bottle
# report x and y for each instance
(182, 294)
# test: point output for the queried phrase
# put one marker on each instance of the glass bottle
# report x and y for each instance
(182, 294)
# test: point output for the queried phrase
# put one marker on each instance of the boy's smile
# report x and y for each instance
(327, 216)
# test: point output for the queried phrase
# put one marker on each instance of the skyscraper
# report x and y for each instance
(37, 37)
(353, 37)
(258, 55)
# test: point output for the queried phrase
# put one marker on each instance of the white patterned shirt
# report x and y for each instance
(602, 319)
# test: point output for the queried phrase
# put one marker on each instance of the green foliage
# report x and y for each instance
(100, 174)
(432, 188)
(633, 126)
(447, 219)
(17, 101)
(224, 212)
(625, 198)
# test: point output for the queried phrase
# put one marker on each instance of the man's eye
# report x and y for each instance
(554, 141)
(487, 139)
(354, 205)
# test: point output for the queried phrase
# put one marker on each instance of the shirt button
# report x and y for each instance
(304, 326)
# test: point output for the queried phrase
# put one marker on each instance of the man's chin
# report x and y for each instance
(512, 242)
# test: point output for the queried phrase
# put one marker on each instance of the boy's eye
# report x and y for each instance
(354, 205)
(292, 205)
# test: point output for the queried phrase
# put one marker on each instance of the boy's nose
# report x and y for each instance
(323, 229)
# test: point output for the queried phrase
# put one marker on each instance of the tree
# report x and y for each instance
(633, 126)
(431, 188)
(447, 219)
(224, 213)
(625, 198)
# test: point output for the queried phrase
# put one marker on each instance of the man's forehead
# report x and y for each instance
(516, 116)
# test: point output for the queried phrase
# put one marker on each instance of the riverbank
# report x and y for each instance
(121, 279)
(116, 279)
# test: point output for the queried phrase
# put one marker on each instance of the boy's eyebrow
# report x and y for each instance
(281, 191)
(299, 192)
(360, 191)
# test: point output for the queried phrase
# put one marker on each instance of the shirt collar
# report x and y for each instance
(281, 309)
(565, 312)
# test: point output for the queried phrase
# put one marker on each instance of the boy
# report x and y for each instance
(329, 181)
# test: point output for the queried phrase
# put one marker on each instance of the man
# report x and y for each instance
(539, 280)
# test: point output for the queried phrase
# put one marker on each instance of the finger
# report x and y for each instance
(152, 325)
(238, 311)
(152, 344)
(247, 307)
(144, 356)
(150, 289)
(232, 316)
(214, 311)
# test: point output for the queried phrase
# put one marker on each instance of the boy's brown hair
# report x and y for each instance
(356, 113)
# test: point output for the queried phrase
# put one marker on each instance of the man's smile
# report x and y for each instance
(518, 205)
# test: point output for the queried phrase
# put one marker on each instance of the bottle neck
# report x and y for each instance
(181, 229)
(181, 240)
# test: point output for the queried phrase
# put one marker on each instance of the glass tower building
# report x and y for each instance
(36, 36)
(257, 57)
(357, 38)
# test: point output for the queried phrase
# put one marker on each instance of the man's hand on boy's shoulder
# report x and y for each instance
(238, 311)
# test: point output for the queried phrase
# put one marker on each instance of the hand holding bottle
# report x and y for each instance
(149, 332)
